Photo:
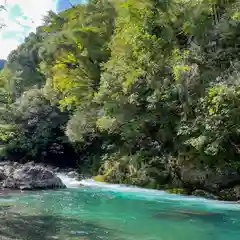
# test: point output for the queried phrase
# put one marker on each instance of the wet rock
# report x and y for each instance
(192, 176)
(56, 169)
(205, 194)
(8, 170)
(16, 164)
(29, 163)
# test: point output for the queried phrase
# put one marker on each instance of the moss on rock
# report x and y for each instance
(177, 191)
(99, 178)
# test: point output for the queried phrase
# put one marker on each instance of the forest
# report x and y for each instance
(125, 90)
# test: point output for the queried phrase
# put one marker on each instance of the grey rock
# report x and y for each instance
(230, 194)
(32, 177)
(3, 176)
(29, 163)
(209, 179)
(205, 194)
(16, 164)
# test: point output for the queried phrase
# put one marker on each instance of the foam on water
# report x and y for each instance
(148, 194)
(69, 181)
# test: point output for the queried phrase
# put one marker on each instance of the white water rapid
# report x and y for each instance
(70, 182)
(146, 194)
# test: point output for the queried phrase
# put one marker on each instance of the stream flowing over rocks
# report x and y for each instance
(220, 183)
(28, 176)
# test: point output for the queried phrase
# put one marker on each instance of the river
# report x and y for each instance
(103, 211)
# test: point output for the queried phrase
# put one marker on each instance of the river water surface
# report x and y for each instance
(114, 212)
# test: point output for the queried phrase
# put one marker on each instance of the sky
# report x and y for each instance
(63, 4)
(21, 18)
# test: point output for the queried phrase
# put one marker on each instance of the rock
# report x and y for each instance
(205, 194)
(176, 191)
(3, 158)
(16, 164)
(8, 170)
(32, 177)
(5, 163)
(3, 176)
(208, 179)
(230, 194)
(56, 169)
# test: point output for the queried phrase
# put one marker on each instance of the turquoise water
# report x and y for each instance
(113, 212)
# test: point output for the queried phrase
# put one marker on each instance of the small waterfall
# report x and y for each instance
(70, 182)
(74, 182)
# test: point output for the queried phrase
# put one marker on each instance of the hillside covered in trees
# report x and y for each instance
(129, 90)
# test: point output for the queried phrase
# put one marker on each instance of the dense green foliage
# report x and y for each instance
(128, 86)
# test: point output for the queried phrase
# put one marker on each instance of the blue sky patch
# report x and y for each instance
(21, 18)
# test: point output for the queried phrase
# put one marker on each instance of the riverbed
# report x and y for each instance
(95, 211)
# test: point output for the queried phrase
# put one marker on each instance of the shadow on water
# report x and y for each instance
(227, 220)
(15, 226)
(188, 214)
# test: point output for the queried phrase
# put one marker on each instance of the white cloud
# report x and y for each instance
(32, 12)
(10, 25)
(7, 45)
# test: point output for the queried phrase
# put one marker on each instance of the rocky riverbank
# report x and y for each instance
(221, 182)
(218, 181)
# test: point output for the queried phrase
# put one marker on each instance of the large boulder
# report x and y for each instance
(5, 163)
(213, 180)
(31, 176)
